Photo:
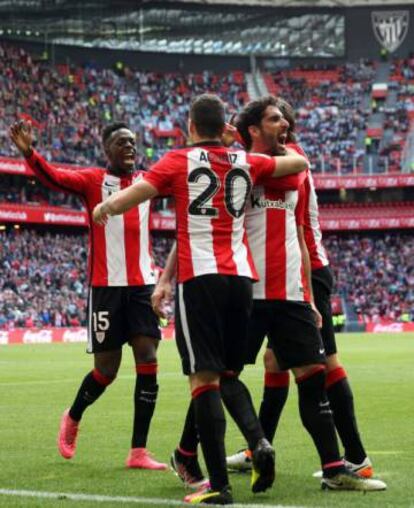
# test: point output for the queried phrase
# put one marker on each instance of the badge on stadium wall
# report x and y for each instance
(390, 28)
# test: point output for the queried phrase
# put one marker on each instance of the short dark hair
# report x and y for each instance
(109, 129)
(208, 115)
(252, 114)
(289, 114)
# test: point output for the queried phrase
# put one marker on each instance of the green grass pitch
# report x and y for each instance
(38, 381)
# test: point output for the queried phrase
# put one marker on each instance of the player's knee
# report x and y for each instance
(145, 350)
(332, 362)
(108, 362)
(270, 362)
(104, 376)
(204, 378)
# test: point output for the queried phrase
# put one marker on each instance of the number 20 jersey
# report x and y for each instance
(211, 185)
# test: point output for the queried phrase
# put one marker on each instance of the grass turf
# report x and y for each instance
(38, 381)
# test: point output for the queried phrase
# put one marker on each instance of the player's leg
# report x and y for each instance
(303, 353)
(275, 393)
(342, 403)
(235, 394)
(257, 330)
(199, 336)
(184, 459)
(143, 333)
(337, 385)
(145, 398)
(104, 342)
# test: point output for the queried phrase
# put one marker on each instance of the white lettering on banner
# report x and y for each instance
(64, 217)
(10, 215)
(37, 336)
(14, 167)
(390, 328)
(4, 337)
(76, 335)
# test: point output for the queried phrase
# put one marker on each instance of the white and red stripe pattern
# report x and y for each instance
(272, 218)
(120, 251)
(211, 185)
(312, 227)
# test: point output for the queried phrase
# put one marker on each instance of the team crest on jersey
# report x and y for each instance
(390, 28)
(100, 337)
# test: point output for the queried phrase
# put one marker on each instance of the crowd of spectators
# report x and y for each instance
(43, 277)
(69, 105)
(375, 274)
(24, 191)
(330, 112)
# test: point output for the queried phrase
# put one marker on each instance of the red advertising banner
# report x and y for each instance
(367, 223)
(42, 215)
(51, 335)
(323, 182)
(389, 327)
(64, 217)
(18, 166)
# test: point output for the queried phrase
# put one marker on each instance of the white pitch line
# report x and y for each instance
(120, 499)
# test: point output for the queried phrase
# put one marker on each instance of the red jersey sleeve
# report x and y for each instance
(161, 174)
(261, 166)
(68, 180)
(301, 206)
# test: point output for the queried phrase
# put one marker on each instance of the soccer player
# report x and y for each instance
(121, 283)
(283, 306)
(211, 185)
(337, 385)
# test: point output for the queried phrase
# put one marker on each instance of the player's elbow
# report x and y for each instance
(302, 164)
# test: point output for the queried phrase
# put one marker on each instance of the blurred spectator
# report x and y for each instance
(375, 274)
(43, 278)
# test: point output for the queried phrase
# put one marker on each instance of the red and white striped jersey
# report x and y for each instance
(211, 185)
(312, 227)
(120, 251)
(272, 218)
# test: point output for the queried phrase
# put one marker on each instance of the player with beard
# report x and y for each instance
(284, 309)
(121, 282)
(337, 386)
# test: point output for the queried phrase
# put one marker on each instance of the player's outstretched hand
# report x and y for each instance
(22, 136)
(99, 216)
(318, 316)
(162, 293)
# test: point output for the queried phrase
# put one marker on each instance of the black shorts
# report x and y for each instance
(291, 331)
(212, 316)
(117, 314)
(322, 284)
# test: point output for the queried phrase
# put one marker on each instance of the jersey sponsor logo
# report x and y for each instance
(390, 28)
(261, 202)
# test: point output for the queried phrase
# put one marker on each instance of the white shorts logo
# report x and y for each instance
(100, 337)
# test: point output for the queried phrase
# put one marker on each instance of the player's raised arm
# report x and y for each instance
(290, 164)
(56, 178)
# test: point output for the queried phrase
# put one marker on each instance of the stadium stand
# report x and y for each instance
(335, 106)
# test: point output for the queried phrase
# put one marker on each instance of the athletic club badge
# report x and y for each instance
(390, 28)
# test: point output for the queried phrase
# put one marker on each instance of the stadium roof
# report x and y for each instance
(285, 28)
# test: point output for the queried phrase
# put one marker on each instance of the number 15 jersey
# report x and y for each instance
(211, 185)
